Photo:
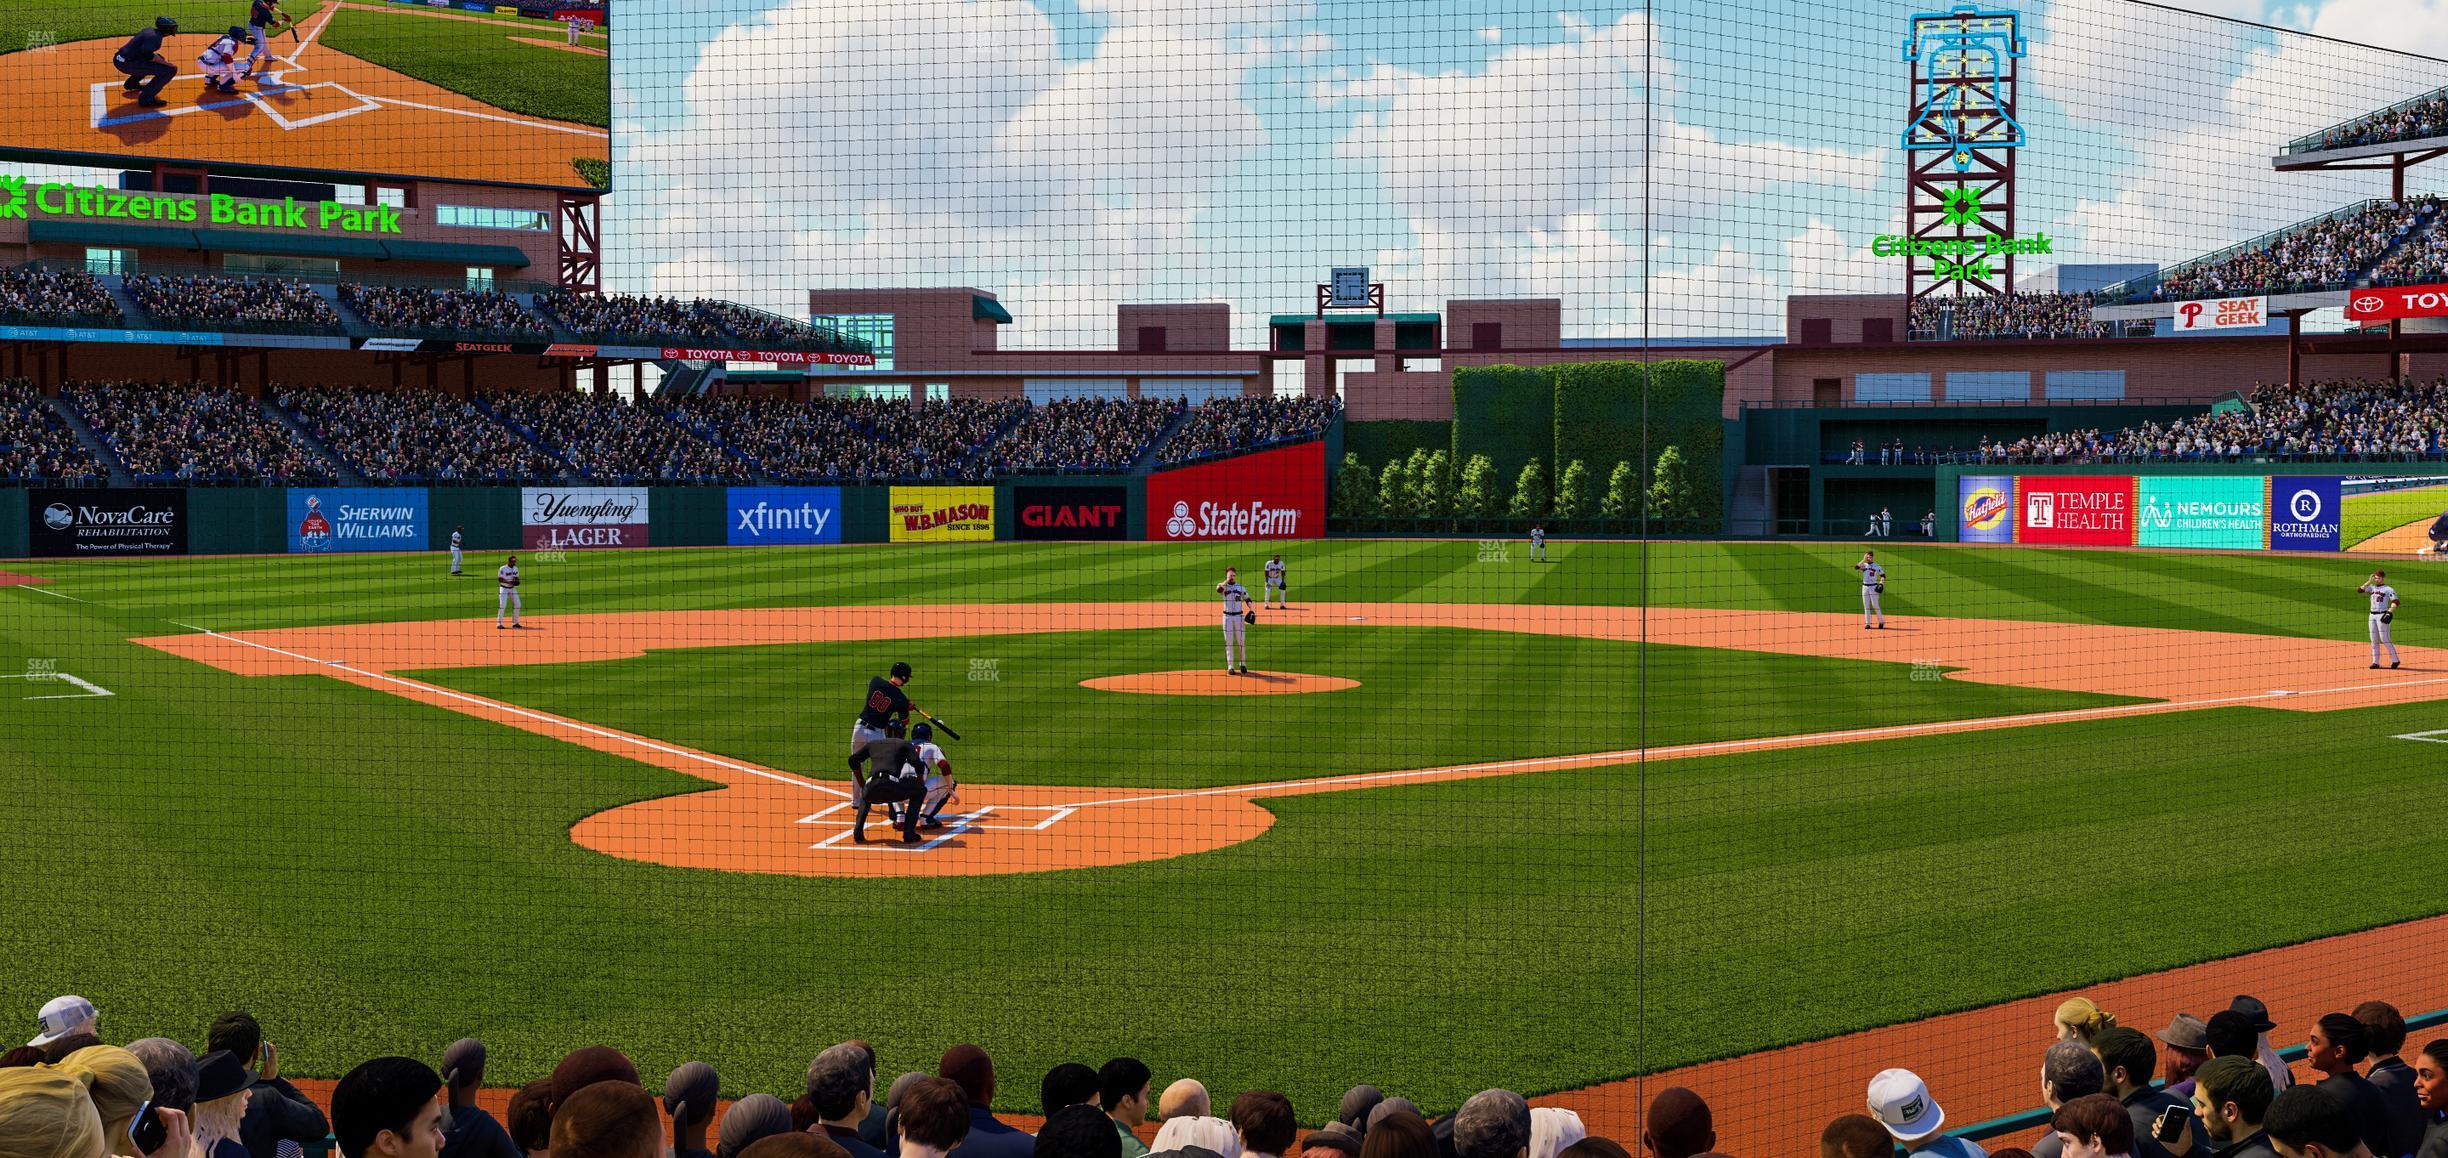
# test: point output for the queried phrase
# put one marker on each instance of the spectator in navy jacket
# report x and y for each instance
(988, 1137)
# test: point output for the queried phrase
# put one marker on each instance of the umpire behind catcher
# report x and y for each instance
(898, 777)
(146, 68)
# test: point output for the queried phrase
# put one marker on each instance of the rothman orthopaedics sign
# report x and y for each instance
(20, 199)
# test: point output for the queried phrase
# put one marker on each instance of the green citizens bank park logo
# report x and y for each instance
(17, 198)
(1959, 258)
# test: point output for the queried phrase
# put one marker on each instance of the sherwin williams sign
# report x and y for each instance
(366, 519)
(2074, 510)
(765, 516)
(1985, 511)
(2217, 511)
(942, 515)
(2304, 512)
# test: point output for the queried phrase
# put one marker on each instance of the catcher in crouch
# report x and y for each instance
(888, 771)
(942, 790)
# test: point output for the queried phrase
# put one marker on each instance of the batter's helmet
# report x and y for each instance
(900, 671)
(164, 25)
(922, 733)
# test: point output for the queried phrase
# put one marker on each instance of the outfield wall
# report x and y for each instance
(2210, 506)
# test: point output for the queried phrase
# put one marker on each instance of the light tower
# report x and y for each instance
(1960, 139)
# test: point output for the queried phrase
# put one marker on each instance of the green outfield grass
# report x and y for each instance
(370, 875)
(25, 26)
(477, 58)
(2370, 514)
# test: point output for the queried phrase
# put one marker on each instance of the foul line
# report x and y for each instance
(543, 717)
(47, 591)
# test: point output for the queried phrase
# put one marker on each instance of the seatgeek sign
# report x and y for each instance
(21, 200)
(1273, 494)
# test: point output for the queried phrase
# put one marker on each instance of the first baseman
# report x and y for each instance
(1874, 584)
(510, 601)
(1277, 583)
(1237, 618)
(2383, 613)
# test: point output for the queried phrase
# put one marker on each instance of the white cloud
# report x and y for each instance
(1491, 34)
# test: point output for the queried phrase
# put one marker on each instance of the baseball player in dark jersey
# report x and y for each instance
(146, 68)
(888, 770)
(2439, 534)
(262, 16)
(886, 706)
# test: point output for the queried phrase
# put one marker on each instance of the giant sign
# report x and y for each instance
(941, 515)
(764, 516)
(582, 518)
(1273, 494)
(2077, 510)
(74, 523)
(2304, 512)
(1043, 512)
(2386, 303)
(2227, 512)
(357, 519)
(1985, 513)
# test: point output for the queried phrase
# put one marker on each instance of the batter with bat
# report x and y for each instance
(1874, 584)
(887, 706)
(265, 20)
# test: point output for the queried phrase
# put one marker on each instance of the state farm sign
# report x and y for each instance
(2387, 303)
(1273, 494)
(2223, 314)
(582, 518)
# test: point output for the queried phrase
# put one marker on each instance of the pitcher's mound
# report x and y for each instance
(1217, 683)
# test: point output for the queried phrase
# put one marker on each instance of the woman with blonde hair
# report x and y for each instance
(45, 1113)
(1553, 1129)
(222, 1083)
(119, 1086)
(2079, 1020)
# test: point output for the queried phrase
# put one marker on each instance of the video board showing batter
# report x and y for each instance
(510, 92)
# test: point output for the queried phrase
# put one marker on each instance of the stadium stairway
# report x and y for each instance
(351, 323)
(1749, 514)
(1148, 457)
(339, 466)
(92, 442)
(136, 315)
(2431, 221)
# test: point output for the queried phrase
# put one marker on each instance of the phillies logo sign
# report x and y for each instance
(2223, 314)
(2388, 303)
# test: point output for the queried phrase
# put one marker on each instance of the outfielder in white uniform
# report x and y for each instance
(457, 538)
(1538, 544)
(2383, 613)
(1874, 582)
(510, 602)
(1236, 625)
(1277, 583)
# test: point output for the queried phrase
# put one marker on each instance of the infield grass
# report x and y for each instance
(2367, 515)
(369, 875)
(478, 58)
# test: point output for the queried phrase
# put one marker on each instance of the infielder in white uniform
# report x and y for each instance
(1237, 615)
(509, 602)
(1276, 583)
(457, 538)
(1874, 583)
(2383, 613)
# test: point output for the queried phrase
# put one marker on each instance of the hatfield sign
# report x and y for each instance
(2388, 303)
(21, 199)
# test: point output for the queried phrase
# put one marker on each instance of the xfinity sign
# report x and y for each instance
(790, 516)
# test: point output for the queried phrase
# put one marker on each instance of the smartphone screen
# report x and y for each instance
(147, 1130)
(2171, 1124)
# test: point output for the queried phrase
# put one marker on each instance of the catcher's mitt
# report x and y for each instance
(1880, 588)
(1249, 617)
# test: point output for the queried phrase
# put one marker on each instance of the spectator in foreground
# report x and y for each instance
(871, 1128)
(1067, 1084)
(1263, 1119)
(1187, 1098)
(2306, 1122)
(2431, 1085)
(64, 1017)
(385, 1108)
(2094, 1127)
(1122, 1092)
(45, 1113)
(688, 1096)
(586, 1066)
(2079, 1020)
(119, 1087)
(1330, 1140)
(937, 1115)
(2231, 1034)
(2334, 1048)
(2131, 1062)
(749, 1121)
(222, 1086)
(968, 1067)
(1078, 1130)
(1855, 1136)
(1608, 1148)
(2068, 1071)
(1552, 1130)
(1197, 1135)
(1492, 1124)
(2231, 1095)
(1678, 1125)
(2187, 1042)
(793, 1144)
(530, 1123)
(468, 1131)
(2384, 1034)
(608, 1120)
(172, 1069)
(61, 1047)
(1902, 1103)
(276, 1112)
(1357, 1102)
(840, 1089)
(2258, 1014)
(1399, 1133)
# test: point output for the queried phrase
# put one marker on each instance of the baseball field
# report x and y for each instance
(1639, 806)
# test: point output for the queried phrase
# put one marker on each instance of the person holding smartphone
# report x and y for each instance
(276, 1111)
(2230, 1096)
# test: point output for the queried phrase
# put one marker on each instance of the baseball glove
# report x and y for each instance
(1249, 617)
(2388, 617)
(1880, 588)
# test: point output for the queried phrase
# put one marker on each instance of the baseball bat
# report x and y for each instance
(940, 726)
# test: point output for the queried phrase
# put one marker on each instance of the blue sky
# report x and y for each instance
(1669, 167)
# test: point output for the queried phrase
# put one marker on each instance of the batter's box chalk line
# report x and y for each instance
(2434, 737)
(955, 824)
(92, 691)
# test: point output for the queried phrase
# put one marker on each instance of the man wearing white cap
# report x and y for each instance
(62, 1016)
(1900, 1102)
